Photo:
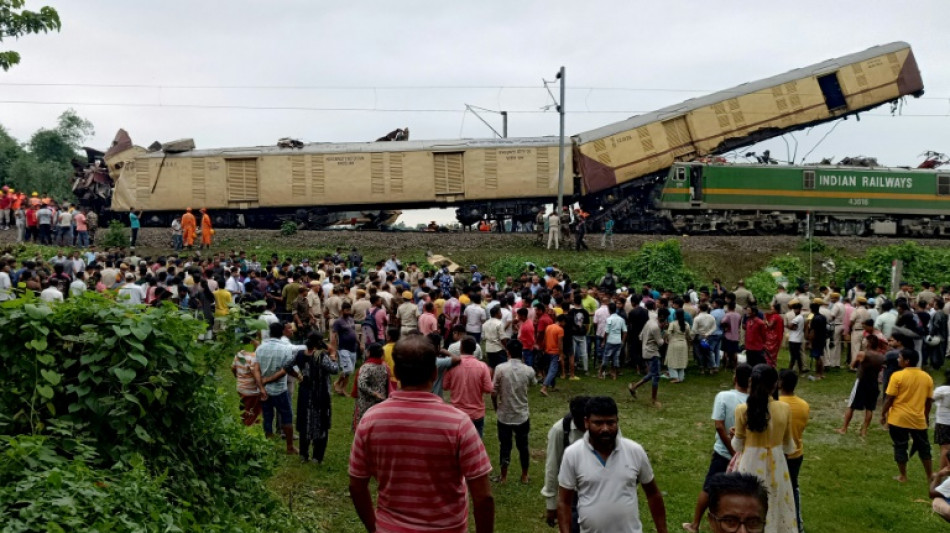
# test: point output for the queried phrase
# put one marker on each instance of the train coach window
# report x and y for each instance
(943, 185)
(808, 180)
(831, 89)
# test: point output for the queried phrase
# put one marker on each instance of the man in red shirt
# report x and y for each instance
(544, 320)
(423, 453)
(527, 335)
(468, 383)
(754, 337)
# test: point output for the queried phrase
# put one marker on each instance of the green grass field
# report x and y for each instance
(846, 481)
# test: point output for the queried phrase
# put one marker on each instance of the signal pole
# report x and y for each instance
(561, 75)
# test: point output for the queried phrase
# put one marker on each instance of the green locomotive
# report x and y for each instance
(701, 198)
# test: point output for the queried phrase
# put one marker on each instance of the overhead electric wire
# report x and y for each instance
(372, 87)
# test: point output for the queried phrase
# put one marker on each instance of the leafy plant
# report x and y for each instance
(288, 228)
(116, 236)
(129, 394)
(812, 245)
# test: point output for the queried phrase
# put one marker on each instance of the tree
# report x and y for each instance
(16, 22)
(10, 151)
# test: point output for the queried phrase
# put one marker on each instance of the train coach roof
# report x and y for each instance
(452, 145)
(739, 90)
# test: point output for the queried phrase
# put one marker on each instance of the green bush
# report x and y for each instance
(132, 390)
(921, 263)
(288, 228)
(784, 269)
(116, 236)
(658, 263)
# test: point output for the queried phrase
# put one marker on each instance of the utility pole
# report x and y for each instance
(560, 153)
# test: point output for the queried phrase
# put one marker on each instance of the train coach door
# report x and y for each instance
(695, 185)
(831, 90)
(449, 176)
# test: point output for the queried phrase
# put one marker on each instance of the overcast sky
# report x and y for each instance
(246, 72)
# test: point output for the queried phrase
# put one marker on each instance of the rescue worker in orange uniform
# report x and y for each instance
(188, 227)
(206, 230)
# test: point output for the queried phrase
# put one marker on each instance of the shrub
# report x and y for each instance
(921, 263)
(288, 228)
(114, 237)
(124, 395)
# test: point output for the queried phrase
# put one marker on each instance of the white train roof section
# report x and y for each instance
(452, 145)
(668, 112)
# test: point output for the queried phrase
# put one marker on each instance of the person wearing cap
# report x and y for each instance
(206, 230)
(188, 227)
(407, 314)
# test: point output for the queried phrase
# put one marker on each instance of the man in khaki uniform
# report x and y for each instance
(408, 314)
(782, 297)
(744, 297)
(835, 319)
(316, 306)
(858, 316)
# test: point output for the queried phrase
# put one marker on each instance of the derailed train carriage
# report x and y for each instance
(619, 170)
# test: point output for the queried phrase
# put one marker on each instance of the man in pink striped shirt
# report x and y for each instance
(425, 455)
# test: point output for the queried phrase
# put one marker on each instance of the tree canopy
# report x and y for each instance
(16, 22)
(44, 163)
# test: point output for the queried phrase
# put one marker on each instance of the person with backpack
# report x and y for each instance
(374, 325)
(562, 434)
(608, 283)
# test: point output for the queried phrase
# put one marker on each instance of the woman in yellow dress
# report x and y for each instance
(763, 438)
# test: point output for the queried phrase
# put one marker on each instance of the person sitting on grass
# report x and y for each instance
(940, 490)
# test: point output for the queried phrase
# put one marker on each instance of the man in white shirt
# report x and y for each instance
(494, 332)
(269, 317)
(233, 284)
(51, 294)
(796, 337)
(510, 384)
(602, 471)
(130, 293)
(474, 318)
(78, 286)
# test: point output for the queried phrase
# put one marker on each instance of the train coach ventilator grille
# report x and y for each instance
(198, 179)
(544, 169)
(142, 182)
(242, 180)
(449, 177)
(298, 176)
(376, 178)
(318, 175)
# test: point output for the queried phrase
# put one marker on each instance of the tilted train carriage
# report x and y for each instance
(839, 200)
(255, 186)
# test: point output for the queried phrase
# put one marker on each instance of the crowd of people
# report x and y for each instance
(409, 336)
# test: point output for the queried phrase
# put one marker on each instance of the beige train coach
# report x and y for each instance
(646, 144)
(268, 180)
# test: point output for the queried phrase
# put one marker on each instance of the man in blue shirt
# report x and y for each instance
(134, 224)
(272, 356)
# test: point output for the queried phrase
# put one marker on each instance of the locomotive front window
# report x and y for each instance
(680, 174)
(943, 185)
(808, 180)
